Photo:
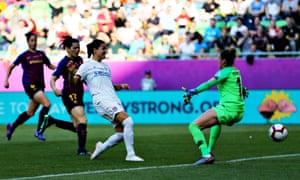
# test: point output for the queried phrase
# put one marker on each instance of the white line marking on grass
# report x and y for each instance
(102, 171)
(262, 157)
(150, 167)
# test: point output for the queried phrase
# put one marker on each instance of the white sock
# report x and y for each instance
(128, 135)
(112, 141)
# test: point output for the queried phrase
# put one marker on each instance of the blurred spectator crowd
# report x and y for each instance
(153, 29)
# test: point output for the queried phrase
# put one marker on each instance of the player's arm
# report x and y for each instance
(10, 69)
(76, 78)
(188, 93)
(56, 74)
(206, 85)
(219, 77)
(8, 73)
(56, 91)
(47, 62)
(245, 92)
(71, 66)
(121, 86)
(51, 66)
(79, 74)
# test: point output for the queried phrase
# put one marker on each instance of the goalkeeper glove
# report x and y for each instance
(245, 92)
(188, 93)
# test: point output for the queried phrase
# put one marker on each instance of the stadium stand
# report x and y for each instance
(82, 18)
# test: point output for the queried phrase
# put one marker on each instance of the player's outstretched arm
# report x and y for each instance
(188, 93)
(208, 84)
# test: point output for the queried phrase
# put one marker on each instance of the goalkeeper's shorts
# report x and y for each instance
(228, 115)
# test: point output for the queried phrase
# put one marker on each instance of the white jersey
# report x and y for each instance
(97, 75)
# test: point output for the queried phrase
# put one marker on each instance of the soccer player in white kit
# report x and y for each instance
(97, 76)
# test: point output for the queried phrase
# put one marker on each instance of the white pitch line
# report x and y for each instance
(262, 157)
(149, 167)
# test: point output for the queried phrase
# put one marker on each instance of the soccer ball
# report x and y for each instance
(278, 132)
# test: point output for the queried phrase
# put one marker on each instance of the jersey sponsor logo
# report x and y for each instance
(35, 61)
(101, 73)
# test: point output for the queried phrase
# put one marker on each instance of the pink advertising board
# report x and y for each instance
(173, 74)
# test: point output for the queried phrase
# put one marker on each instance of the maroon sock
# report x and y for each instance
(81, 132)
(21, 119)
(43, 112)
(62, 124)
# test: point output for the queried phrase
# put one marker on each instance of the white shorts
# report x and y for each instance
(108, 110)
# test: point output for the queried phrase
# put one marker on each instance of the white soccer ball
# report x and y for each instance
(278, 132)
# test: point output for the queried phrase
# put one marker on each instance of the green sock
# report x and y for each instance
(213, 137)
(199, 139)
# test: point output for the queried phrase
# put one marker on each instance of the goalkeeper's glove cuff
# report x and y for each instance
(245, 92)
(188, 95)
(193, 91)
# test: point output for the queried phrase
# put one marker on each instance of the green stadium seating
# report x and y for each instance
(280, 23)
(229, 24)
(201, 26)
(265, 23)
(220, 24)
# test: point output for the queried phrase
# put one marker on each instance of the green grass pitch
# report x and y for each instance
(242, 152)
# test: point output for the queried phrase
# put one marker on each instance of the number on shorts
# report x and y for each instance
(73, 97)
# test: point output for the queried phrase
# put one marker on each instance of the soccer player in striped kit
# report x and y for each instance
(32, 61)
(71, 94)
(97, 75)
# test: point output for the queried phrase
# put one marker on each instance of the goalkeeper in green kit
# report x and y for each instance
(229, 111)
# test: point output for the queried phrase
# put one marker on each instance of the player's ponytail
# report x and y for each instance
(68, 41)
(90, 49)
(95, 44)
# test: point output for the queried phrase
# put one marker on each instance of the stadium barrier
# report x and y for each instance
(267, 79)
(277, 73)
(166, 107)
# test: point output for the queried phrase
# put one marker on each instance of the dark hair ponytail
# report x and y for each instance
(90, 49)
(68, 41)
(95, 44)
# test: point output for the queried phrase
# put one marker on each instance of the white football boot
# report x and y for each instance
(133, 157)
(97, 150)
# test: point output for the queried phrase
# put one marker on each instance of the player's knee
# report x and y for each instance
(29, 114)
(46, 104)
(119, 136)
(121, 116)
(119, 128)
(76, 122)
(81, 120)
(127, 122)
